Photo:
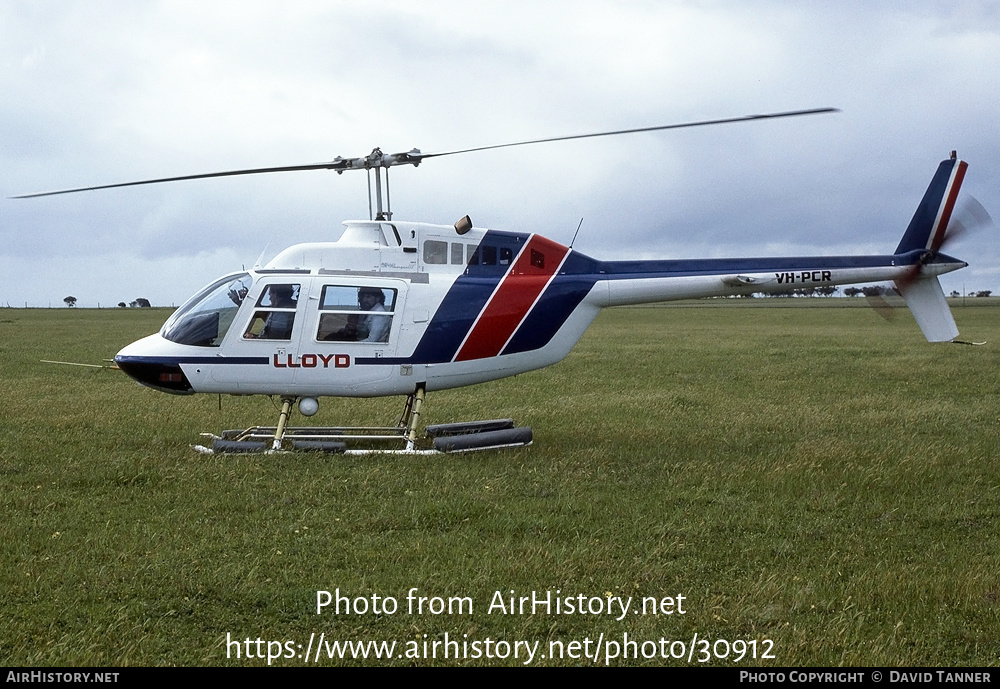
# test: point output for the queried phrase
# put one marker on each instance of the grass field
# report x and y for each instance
(812, 476)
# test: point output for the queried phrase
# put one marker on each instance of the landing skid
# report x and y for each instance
(401, 439)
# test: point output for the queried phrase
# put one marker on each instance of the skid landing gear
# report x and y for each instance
(363, 440)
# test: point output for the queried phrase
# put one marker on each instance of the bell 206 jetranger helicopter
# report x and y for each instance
(405, 308)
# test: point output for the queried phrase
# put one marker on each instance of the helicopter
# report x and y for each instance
(398, 308)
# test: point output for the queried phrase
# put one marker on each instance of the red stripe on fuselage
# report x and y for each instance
(510, 303)
(937, 236)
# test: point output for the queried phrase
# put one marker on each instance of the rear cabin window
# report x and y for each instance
(435, 252)
(356, 314)
(487, 255)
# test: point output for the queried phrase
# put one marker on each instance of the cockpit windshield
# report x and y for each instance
(205, 319)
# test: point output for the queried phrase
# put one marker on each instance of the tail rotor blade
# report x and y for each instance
(885, 303)
(971, 217)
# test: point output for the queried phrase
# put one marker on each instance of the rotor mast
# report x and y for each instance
(377, 160)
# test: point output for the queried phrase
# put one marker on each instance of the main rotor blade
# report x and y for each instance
(684, 125)
(415, 157)
(228, 173)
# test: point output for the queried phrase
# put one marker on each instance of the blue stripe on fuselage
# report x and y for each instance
(466, 299)
(631, 270)
(177, 360)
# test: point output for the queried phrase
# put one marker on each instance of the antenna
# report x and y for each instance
(260, 259)
(576, 233)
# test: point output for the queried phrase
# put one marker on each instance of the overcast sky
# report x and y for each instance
(98, 92)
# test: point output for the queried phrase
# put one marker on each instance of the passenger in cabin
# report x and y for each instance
(372, 327)
(369, 321)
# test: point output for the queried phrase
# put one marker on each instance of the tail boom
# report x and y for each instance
(914, 267)
(642, 282)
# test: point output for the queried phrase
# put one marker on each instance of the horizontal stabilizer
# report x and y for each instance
(926, 300)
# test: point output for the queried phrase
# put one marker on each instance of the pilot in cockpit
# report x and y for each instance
(274, 325)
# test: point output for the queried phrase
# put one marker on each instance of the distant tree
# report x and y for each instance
(852, 291)
(142, 303)
(122, 305)
(877, 290)
(826, 290)
(70, 301)
(133, 303)
(955, 293)
(984, 293)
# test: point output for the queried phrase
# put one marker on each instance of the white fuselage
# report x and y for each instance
(461, 309)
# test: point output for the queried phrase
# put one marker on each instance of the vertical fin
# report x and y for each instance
(926, 229)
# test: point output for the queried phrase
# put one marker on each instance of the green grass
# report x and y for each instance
(813, 476)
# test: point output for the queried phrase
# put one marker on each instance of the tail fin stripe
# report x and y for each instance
(930, 221)
(944, 212)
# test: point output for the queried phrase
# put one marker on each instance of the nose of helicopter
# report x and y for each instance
(144, 362)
